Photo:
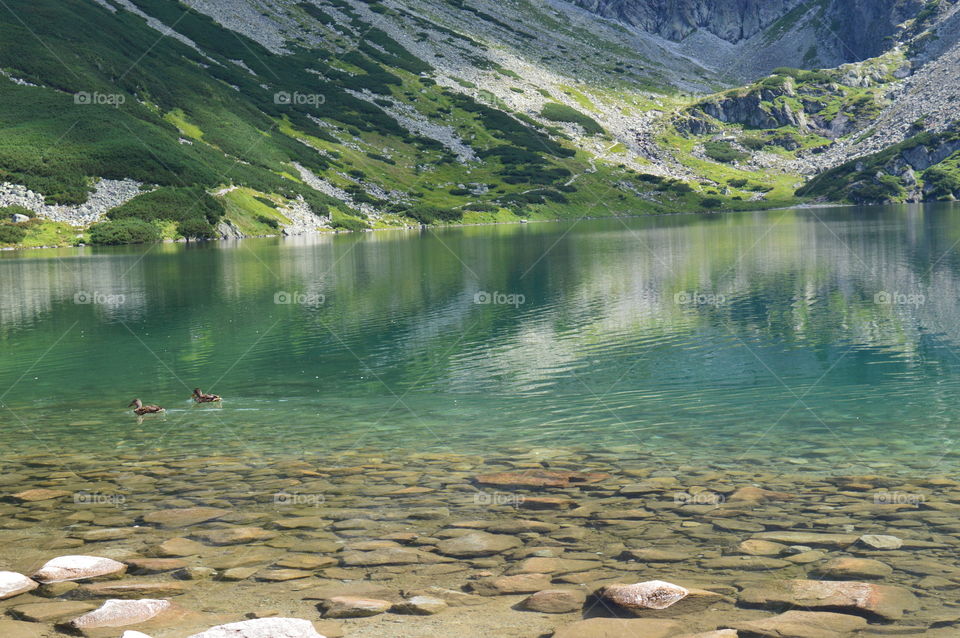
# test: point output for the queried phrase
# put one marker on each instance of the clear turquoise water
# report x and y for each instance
(786, 353)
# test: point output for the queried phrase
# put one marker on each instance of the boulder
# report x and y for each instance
(45, 612)
(652, 594)
(881, 601)
(64, 568)
(13, 584)
(263, 628)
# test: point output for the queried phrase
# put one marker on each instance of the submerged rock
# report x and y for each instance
(538, 479)
(619, 628)
(64, 568)
(13, 584)
(477, 544)
(119, 613)
(884, 601)
(555, 601)
(847, 567)
(652, 594)
(183, 517)
(880, 541)
(353, 607)
(803, 624)
(263, 628)
(420, 606)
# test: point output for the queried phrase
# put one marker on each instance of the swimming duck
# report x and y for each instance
(200, 397)
(140, 409)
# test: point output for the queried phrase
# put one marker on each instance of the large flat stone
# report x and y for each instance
(803, 624)
(183, 517)
(883, 601)
(64, 568)
(812, 539)
(120, 613)
(477, 544)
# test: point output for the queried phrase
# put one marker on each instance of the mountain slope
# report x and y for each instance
(259, 116)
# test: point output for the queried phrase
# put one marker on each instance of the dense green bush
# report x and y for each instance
(194, 228)
(942, 182)
(429, 214)
(11, 234)
(349, 223)
(711, 202)
(8, 212)
(268, 221)
(173, 204)
(124, 231)
(723, 152)
(562, 113)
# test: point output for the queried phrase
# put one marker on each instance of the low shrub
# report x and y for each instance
(123, 231)
(11, 234)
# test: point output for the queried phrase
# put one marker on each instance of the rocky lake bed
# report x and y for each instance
(521, 543)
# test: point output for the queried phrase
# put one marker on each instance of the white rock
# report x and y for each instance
(652, 594)
(263, 628)
(65, 568)
(119, 613)
(133, 634)
(13, 584)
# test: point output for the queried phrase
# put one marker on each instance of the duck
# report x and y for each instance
(200, 397)
(140, 409)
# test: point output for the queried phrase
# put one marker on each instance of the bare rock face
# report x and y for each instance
(263, 628)
(64, 568)
(13, 584)
(120, 613)
(653, 594)
(881, 601)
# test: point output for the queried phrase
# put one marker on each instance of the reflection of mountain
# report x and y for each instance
(640, 305)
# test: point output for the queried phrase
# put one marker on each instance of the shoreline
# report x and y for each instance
(334, 232)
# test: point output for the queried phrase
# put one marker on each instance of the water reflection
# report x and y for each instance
(772, 326)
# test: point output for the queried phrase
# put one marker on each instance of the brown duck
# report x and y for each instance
(140, 409)
(200, 397)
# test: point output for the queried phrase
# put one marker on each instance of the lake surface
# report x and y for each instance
(725, 402)
(796, 333)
